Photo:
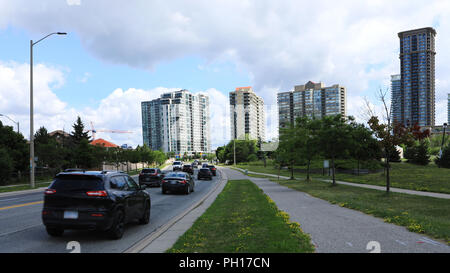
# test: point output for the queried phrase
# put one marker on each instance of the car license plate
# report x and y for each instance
(173, 182)
(70, 214)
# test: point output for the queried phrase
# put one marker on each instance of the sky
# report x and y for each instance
(119, 53)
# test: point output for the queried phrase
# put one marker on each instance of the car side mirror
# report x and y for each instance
(143, 187)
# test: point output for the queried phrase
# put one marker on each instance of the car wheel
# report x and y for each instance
(188, 190)
(146, 217)
(55, 232)
(164, 191)
(118, 227)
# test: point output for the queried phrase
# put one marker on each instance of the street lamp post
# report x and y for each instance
(442, 145)
(16, 122)
(32, 165)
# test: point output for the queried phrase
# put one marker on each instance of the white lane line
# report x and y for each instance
(400, 242)
(4, 200)
(429, 241)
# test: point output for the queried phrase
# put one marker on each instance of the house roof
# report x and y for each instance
(102, 142)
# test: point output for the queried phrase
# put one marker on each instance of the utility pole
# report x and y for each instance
(234, 153)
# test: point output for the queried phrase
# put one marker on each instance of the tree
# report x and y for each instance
(444, 160)
(306, 140)
(364, 145)
(6, 166)
(47, 150)
(78, 132)
(83, 156)
(287, 148)
(418, 153)
(159, 157)
(388, 134)
(334, 139)
(16, 147)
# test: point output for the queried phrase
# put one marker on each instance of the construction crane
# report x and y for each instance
(94, 131)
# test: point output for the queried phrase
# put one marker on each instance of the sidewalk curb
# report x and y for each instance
(149, 239)
(13, 193)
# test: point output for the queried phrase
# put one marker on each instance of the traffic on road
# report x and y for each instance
(102, 211)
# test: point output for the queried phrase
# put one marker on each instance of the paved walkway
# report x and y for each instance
(367, 186)
(336, 229)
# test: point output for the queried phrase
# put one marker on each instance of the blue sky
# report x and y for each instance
(88, 79)
(112, 60)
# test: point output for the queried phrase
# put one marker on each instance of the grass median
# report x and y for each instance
(418, 214)
(243, 220)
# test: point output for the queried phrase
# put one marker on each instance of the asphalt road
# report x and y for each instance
(22, 231)
(334, 229)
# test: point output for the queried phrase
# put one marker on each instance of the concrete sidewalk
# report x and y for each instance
(367, 186)
(335, 229)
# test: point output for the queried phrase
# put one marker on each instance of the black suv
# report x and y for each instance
(188, 169)
(151, 177)
(94, 200)
(204, 173)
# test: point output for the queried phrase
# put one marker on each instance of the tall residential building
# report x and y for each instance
(416, 100)
(177, 122)
(247, 114)
(396, 113)
(311, 100)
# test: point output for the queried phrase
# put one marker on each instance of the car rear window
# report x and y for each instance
(176, 175)
(204, 170)
(148, 171)
(176, 163)
(187, 166)
(77, 182)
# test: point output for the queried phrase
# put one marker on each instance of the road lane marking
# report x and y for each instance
(22, 205)
(5, 200)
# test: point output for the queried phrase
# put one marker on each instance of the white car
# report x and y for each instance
(177, 165)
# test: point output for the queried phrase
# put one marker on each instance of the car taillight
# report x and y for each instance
(213, 169)
(183, 182)
(97, 214)
(163, 181)
(97, 193)
(49, 191)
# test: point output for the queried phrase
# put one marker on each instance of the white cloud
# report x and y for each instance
(73, 2)
(279, 43)
(120, 110)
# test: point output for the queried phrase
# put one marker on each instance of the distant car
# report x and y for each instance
(178, 181)
(204, 173)
(205, 165)
(194, 164)
(177, 166)
(94, 200)
(188, 169)
(213, 169)
(151, 177)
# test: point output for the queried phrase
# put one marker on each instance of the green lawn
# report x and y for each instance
(419, 214)
(403, 175)
(243, 220)
(407, 176)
